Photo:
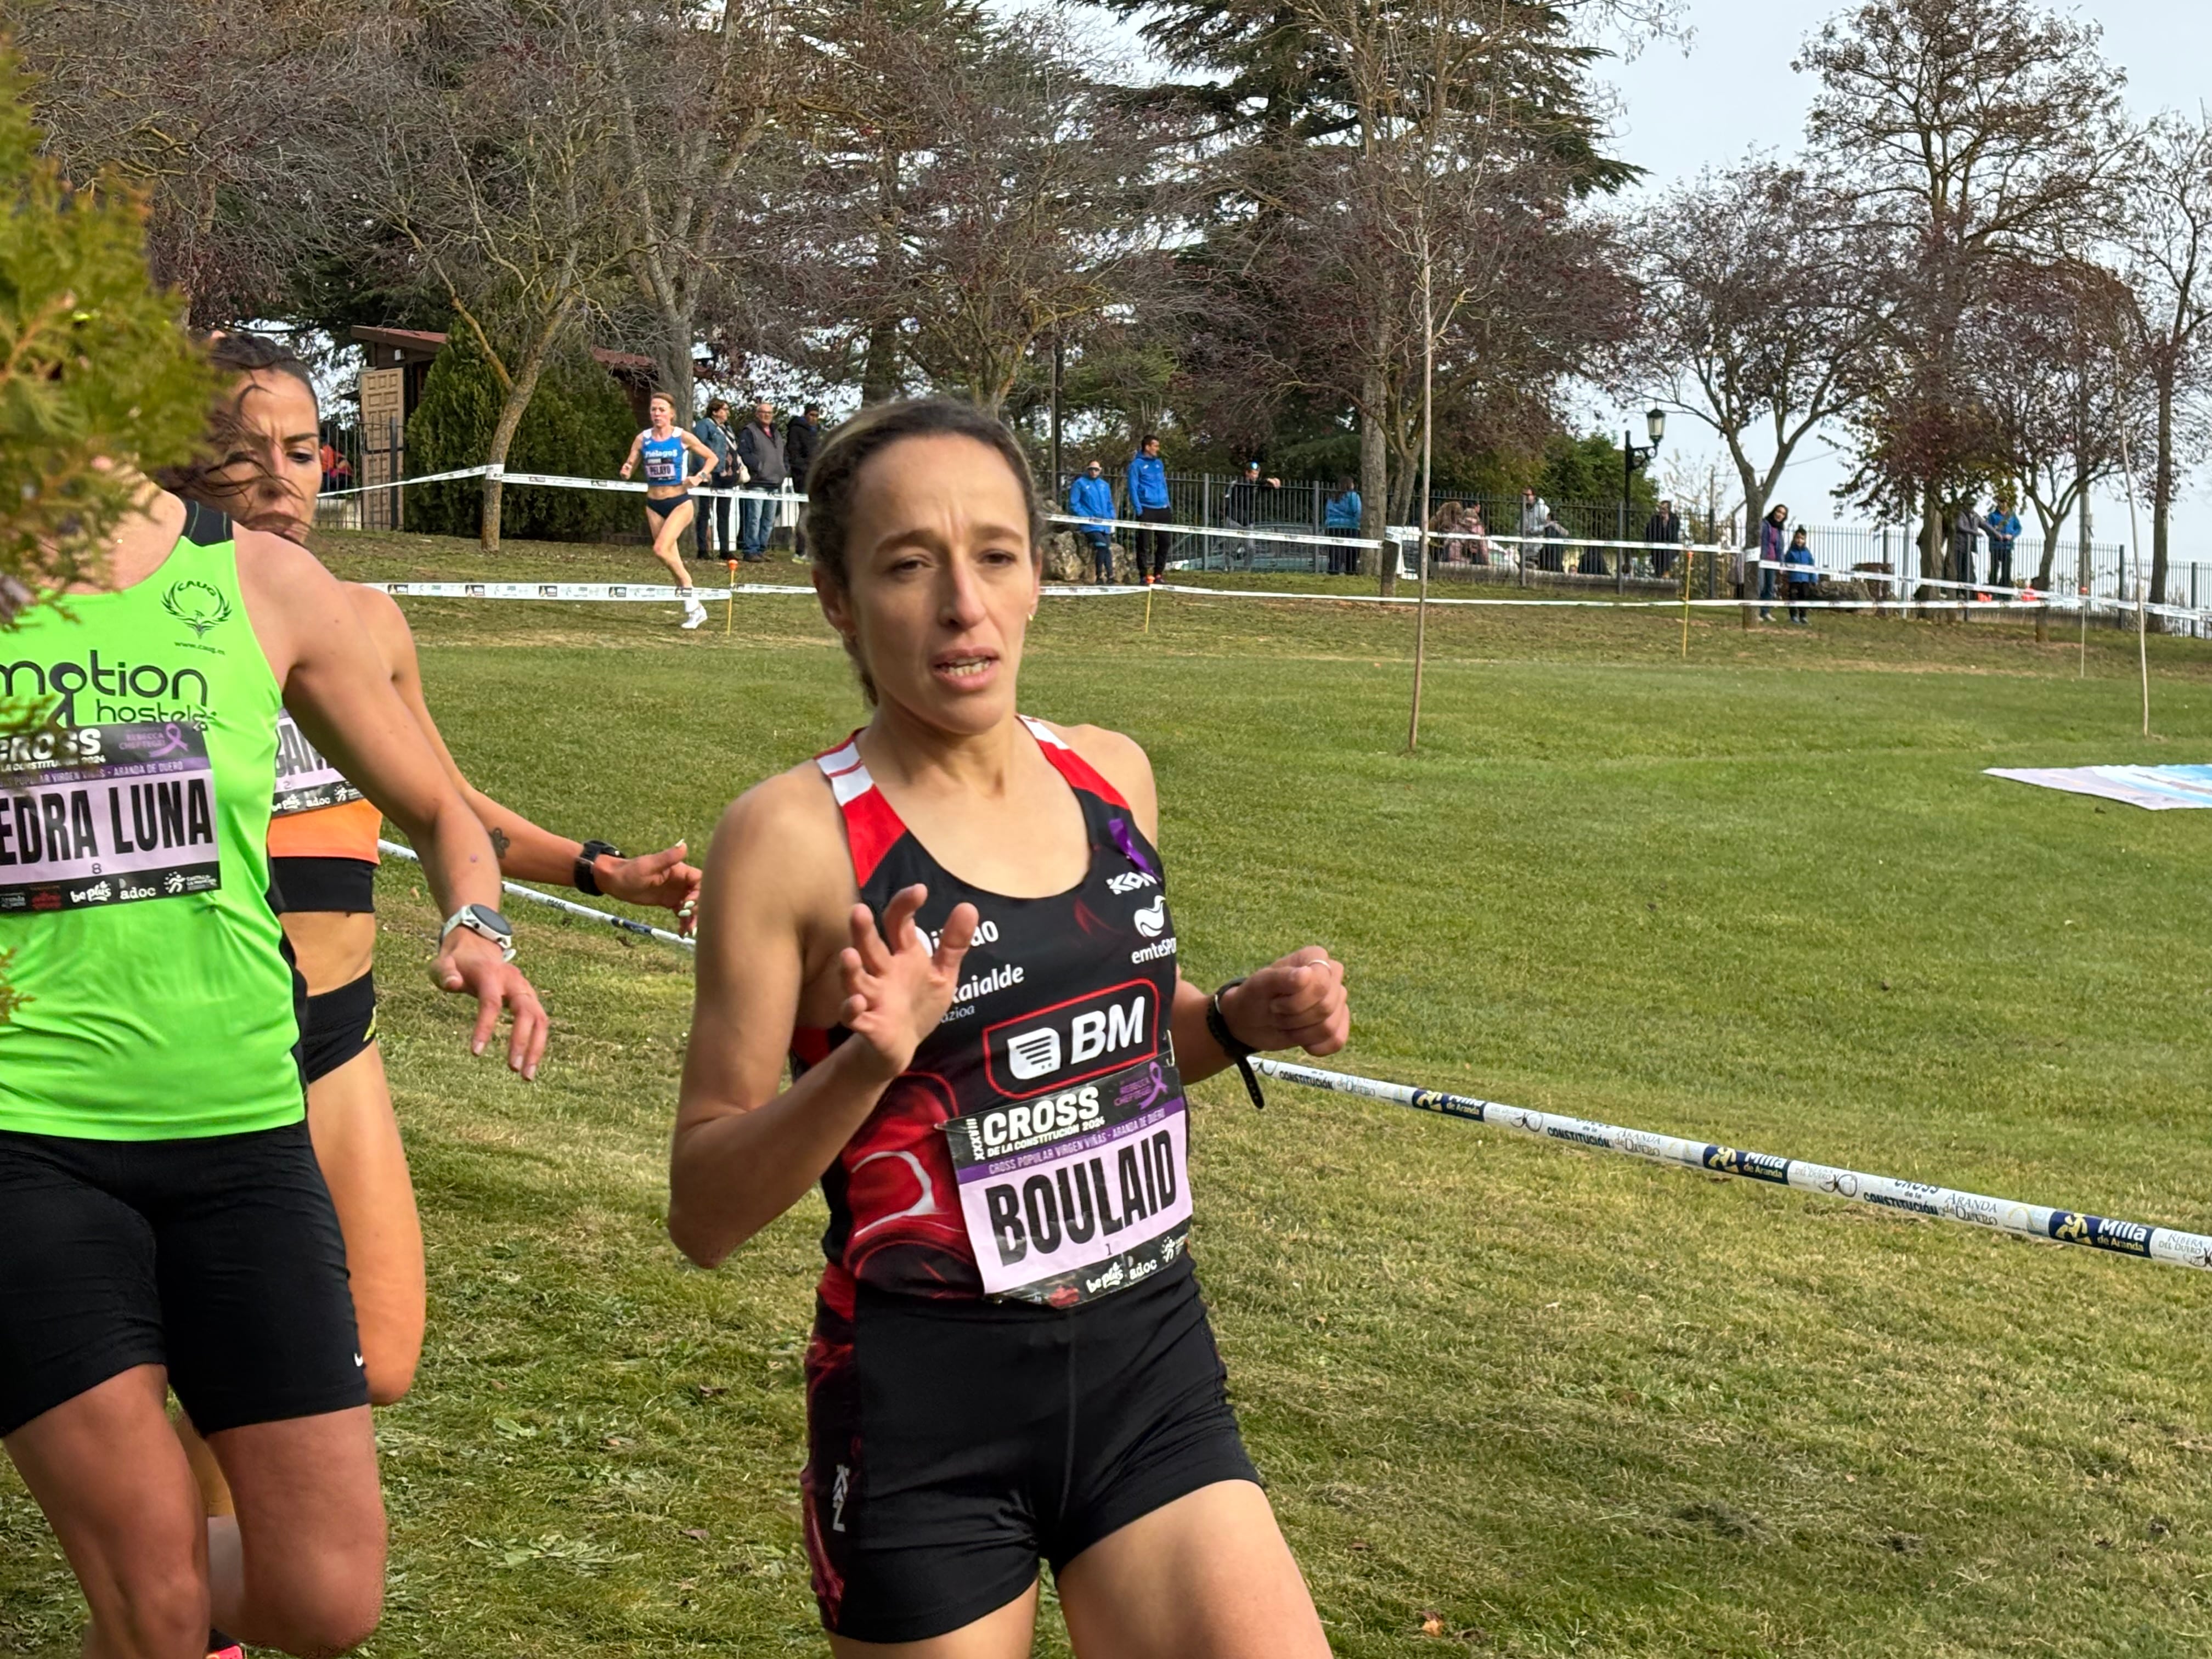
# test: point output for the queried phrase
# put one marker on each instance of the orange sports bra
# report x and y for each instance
(316, 813)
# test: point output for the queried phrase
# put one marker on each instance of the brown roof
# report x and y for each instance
(429, 340)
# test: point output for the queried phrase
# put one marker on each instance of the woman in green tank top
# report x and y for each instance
(166, 1222)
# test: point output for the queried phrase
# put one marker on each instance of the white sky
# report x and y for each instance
(1733, 91)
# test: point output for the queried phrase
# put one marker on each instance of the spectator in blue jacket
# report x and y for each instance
(1148, 503)
(1090, 496)
(1799, 561)
(1340, 516)
(2002, 528)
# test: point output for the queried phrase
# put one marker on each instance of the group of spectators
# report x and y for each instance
(1147, 503)
(755, 456)
(1999, 526)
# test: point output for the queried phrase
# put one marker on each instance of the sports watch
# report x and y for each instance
(587, 879)
(485, 923)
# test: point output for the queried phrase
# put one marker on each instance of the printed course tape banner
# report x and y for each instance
(2168, 1244)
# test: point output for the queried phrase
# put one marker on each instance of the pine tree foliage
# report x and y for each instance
(97, 381)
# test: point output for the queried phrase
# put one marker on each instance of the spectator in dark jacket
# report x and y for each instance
(802, 436)
(1771, 530)
(710, 526)
(1663, 532)
(761, 452)
(1965, 530)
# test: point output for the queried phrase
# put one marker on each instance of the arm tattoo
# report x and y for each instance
(500, 843)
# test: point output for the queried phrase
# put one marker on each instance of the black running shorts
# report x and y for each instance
(220, 1258)
(337, 1026)
(952, 1444)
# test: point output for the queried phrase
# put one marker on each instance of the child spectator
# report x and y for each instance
(1799, 559)
(1341, 519)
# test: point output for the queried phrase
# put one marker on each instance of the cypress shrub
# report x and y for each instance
(578, 423)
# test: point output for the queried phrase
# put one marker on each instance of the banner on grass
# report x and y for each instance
(2155, 787)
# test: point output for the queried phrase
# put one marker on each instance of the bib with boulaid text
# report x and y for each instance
(1075, 1194)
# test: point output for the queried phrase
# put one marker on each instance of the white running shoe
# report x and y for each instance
(694, 614)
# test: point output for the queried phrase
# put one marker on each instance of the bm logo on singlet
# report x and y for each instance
(1073, 1040)
(122, 692)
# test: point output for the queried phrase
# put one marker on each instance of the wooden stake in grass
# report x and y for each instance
(1685, 556)
(729, 604)
(2134, 536)
(1148, 607)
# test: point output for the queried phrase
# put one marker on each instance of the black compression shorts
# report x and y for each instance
(952, 1444)
(337, 1026)
(219, 1257)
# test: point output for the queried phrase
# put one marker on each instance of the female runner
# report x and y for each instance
(967, 953)
(323, 850)
(664, 446)
(166, 1224)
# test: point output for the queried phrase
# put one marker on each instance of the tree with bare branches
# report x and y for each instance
(490, 158)
(1756, 312)
(696, 89)
(2164, 240)
(2048, 355)
(1980, 131)
(970, 191)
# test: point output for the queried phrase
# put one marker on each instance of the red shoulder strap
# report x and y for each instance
(1079, 773)
(872, 828)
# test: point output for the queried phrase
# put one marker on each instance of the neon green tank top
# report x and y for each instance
(133, 871)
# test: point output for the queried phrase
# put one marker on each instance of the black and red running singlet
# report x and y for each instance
(1035, 1147)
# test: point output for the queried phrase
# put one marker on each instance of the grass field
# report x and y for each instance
(1544, 1401)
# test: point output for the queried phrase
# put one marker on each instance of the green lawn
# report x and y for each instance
(1564, 1402)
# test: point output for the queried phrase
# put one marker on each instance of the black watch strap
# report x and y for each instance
(1239, 1051)
(588, 879)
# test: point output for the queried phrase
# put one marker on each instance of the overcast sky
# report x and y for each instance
(1732, 90)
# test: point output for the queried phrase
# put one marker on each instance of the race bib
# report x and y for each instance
(1078, 1193)
(106, 815)
(306, 782)
(661, 469)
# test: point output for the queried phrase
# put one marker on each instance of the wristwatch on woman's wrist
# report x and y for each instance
(485, 923)
(588, 879)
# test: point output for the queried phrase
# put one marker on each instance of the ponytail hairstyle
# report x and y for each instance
(833, 481)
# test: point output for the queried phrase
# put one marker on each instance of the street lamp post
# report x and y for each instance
(1634, 458)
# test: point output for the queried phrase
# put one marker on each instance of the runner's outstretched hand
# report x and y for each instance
(470, 965)
(659, 878)
(1295, 1002)
(897, 989)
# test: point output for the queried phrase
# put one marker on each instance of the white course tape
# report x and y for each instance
(559, 480)
(579, 593)
(650, 594)
(2168, 1244)
(565, 906)
(402, 483)
(1233, 532)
